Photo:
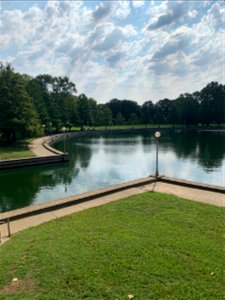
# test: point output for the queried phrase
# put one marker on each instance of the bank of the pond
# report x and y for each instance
(42, 152)
(15, 152)
(150, 246)
(20, 219)
(22, 156)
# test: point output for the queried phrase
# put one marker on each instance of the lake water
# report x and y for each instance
(100, 161)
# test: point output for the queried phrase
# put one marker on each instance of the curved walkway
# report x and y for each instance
(36, 146)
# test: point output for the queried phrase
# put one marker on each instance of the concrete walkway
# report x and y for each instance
(36, 146)
(195, 194)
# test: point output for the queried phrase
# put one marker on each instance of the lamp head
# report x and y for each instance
(157, 134)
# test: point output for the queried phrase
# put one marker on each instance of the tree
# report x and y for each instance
(133, 119)
(18, 118)
(129, 107)
(84, 111)
(159, 115)
(212, 104)
(119, 119)
(104, 115)
(50, 100)
(62, 90)
(38, 95)
(115, 106)
(70, 111)
(147, 112)
(124, 107)
(93, 112)
(165, 106)
(173, 116)
(188, 109)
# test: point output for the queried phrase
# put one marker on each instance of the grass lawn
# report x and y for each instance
(152, 246)
(123, 127)
(19, 150)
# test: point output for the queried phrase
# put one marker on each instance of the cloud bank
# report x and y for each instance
(137, 50)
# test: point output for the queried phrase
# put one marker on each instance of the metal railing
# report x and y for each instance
(8, 227)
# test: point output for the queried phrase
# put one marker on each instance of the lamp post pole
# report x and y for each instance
(50, 124)
(64, 137)
(43, 126)
(157, 136)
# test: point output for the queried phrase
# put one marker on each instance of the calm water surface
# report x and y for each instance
(100, 161)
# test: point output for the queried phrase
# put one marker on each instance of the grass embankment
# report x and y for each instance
(148, 126)
(152, 246)
(20, 150)
(123, 127)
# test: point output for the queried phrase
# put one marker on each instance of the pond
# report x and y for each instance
(97, 161)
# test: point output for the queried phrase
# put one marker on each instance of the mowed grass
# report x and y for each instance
(123, 127)
(151, 246)
(17, 151)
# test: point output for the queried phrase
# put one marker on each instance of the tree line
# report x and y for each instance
(31, 106)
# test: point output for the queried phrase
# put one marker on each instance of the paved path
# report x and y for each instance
(194, 194)
(36, 146)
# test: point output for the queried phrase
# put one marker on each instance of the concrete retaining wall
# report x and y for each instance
(77, 199)
(192, 184)
(56, 157)
(34, 161)
(69, 201)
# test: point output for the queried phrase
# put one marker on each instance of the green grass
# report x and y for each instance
(152, 246)
(142, 126)
(123, 127)
(17, 151)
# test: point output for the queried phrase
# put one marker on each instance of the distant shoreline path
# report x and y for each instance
(37, 147)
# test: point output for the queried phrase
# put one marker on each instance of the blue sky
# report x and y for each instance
(138, 50)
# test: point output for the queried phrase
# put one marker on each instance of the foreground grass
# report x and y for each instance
(19, 150)
(152, 246)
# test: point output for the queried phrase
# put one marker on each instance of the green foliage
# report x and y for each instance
(15, 152)
(18, 118)
(104, 115)
(133, 119)
(42, 105)
(159, 117)
(124, 107)
(152, 245)
(84, 111)
(212, 100)
(188, 109)
(147, 112)
(120, 120)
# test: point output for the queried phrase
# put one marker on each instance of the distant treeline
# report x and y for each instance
(31, 106)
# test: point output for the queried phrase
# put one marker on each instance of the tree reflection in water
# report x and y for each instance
(97, 161)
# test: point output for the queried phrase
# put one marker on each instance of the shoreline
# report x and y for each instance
(33, 215)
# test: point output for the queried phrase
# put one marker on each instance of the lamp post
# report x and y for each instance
(157, 136)
(64, 131)
(50, 124)
(43, 126)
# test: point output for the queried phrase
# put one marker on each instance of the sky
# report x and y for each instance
(138, 50)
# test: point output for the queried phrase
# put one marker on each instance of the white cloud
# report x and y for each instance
(103, 10)
(216, 15)
(107, 52)
(122, 9)
(192, 13)
(138, 3)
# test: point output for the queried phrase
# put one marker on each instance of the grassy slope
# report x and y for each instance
(18, 151)
(152, 246)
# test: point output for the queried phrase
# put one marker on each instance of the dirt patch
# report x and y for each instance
(17, 285)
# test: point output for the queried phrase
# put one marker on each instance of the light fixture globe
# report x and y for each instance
(157, 134)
